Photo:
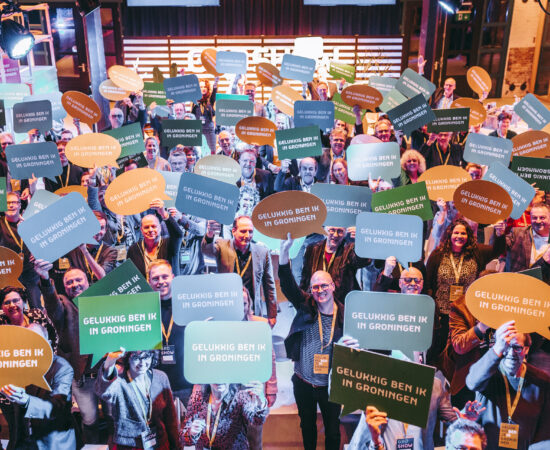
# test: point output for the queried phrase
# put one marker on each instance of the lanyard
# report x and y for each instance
(66, 179)
(325, 267)
(511, 407)
(120, 235)
(208, 420)
(441, 156)
(164, 332)
(20, 242)
(95, 259)
(146, 258)
(334, 314)
(457, 272)
(243, 271)
(141, 396)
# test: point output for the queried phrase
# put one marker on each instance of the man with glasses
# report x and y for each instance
(395, 278)
(225, 142)
(464, 434)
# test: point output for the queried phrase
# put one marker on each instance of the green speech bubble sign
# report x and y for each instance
(130, 138)
(411, 199)
(298, 142)
(533, 170)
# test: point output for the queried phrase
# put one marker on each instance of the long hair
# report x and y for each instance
(469, 249)
(421, 160)
(206, 97)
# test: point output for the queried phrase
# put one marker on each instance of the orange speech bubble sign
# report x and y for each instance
(284, 98)
(363, 95)
(268, 74)
(483, 201)
(25, 357)
(219, 167)
(208, 59)
(479, 80)
(256, 131)
(125, 78)
(133, 191)
(442, 181)
(11, 266)
(81, 106)
(82, 190)
(533, 143)
(87, 150)
(477, 111)
(112, 92)
(500, 297)
(296, 212)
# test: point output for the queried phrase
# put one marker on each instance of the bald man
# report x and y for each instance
(445, 96)
(396, 278)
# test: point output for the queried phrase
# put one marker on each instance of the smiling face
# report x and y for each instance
(139, 363)
(204, 88)
(247, 161)
(160, 279)
(322, 288)
(503, 126)
(243, 233)
(75, 283)
(411, 281)
(150, 228)
(459, 237)
(335, 236)
(443, 140)
(412, 164)
(250, 90)
(151, 149)
(116, 117)
(13, 306)
(102, 230)
(61, 150)
(337, 143)
(540, 221)
(514, 355)
(191, 159)
(449, 87)
(14, 207)
(382, 131)
(340, 173)
(224, 138)
(179, 110)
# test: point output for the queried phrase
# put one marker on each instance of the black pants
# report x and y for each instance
(307, 398)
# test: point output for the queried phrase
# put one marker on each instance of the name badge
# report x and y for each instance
(168, 354)
(64, 263)
(120, 252)
(185, 255)
(455, 292)
(203, 120)
(320, 364)
(15, 185)
(508, 436)
(149, 439)
(405, 443)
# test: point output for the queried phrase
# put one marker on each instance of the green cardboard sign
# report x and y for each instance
(401, 389)
(535, 272)
(130, 138)
(171, 189)
(227, 352)
(382, 84)
(481, 149)
(229, 112)
(533, 170)
(184, 132)
(139, 158)
(450, 120)
(232, 97)
(411, 199)
(533, 111)
(30, 115)
(392, 99)
(154, 92)
(386, 321)
(377, 160)
(342, 111)
(412, 114)
(298, 142)
(132, 321)
(3, 194)
(411, 83)
(339, 71)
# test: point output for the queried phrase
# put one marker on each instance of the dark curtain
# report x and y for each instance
(257, 17)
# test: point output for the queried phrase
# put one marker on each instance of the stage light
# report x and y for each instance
(15, 40)
(87, 6)
(450, 6)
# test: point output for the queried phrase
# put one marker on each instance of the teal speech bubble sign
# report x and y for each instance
(297, 143)
(387, 321)
(533, 170)
(411, 199)
(481, 149)
(410, 84)
(132, 321)
(401, 389)
(229, 112)
(61, 227)
(30, 115)
(153, 92)
(412, 114)
(343, 202)
(379, 160)
(13, 93)
(171, 189)
(217, 296)
(450, 120)
(39, 201)
(231, 62)
(318, 113)
(241, 97)
(533, 111)
(382, 84)
(208, 198)
(130, 138)
(392, 99)
(40, 159)
(296, 67)
(381, 235)
(520, 191)
(339, 71)
(184, 132)
(227, 352)
(58, 112)
(183, 89)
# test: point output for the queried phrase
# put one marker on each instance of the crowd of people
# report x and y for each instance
(487, 380)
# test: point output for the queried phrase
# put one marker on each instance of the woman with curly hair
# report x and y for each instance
(413, 164)
(204, 111)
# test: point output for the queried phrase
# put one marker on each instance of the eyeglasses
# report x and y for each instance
(142, 357)
(319, 287)
(409, 280)
(339, 232)
(117, 116)
(412, 160)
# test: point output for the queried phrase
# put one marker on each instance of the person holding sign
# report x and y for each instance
(152, 155)
(503, 131)
(225, 140)
(259, 179)
(336, 150)
(307, 168)
(204, 111)
(444, 97)
(413, 165)
(438, 151)
(516, 395)
(71, 174)
(140, 401)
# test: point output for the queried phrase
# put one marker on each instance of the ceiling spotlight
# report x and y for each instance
(450, 6)
(15, 40)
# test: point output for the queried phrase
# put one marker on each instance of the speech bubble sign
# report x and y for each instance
(450, 120)
(231, 62)
(25, 357)
(478, 114)
(338, 71)
(82, 190)
(310, 47)
(533, 170)
(11, 266)
(533, 112)
(296, 67)
(133, 191)
(13, 93)
(363, 95)
(30, 115)
(382, 84)
(130, 138)
(183, 89)
(365, 139)
(217, 296)
(343, 202)
(229, 112)
(284, 98)
(387, 321)
(268, 74)
(172, 180)
(39, 201)
(58, 113)
(298, 142)
(241, 97)
(208, 60)
(479, 80)
(410, 84)
(81, 106)
(184, 132)
(256, 131)
(318, 113)
(112, 92)
(379, 235)
(401, 389)
(442, 181)
(219, 167)
(205, 197)
(40, 159)
(520, 191)
(500, 297)
(227, 352)
(296, 212)
(533, 143)
(125, 78)
(133, 321)
(483, 201)
(377, 160)
(154, 92)
(411, 199)
(342, 111)
(392, 99)
(88, 150)
(481, 149)
(61, 227)
(412, 114)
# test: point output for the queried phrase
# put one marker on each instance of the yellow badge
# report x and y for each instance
(64, 263)
(509, 434)
(320, 364)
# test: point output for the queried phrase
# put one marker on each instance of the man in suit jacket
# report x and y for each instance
(445, 96)
(251, 261)
(259, 179)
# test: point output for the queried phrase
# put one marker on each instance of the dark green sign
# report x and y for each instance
(412, 114)
(342, 111)
(130, 138)
(533, 170)
(411, 199)
(298, 142)
(154, 92)
(339, 71)
(184, 132)
(454, 119)
(3, 194)
(229, 112)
